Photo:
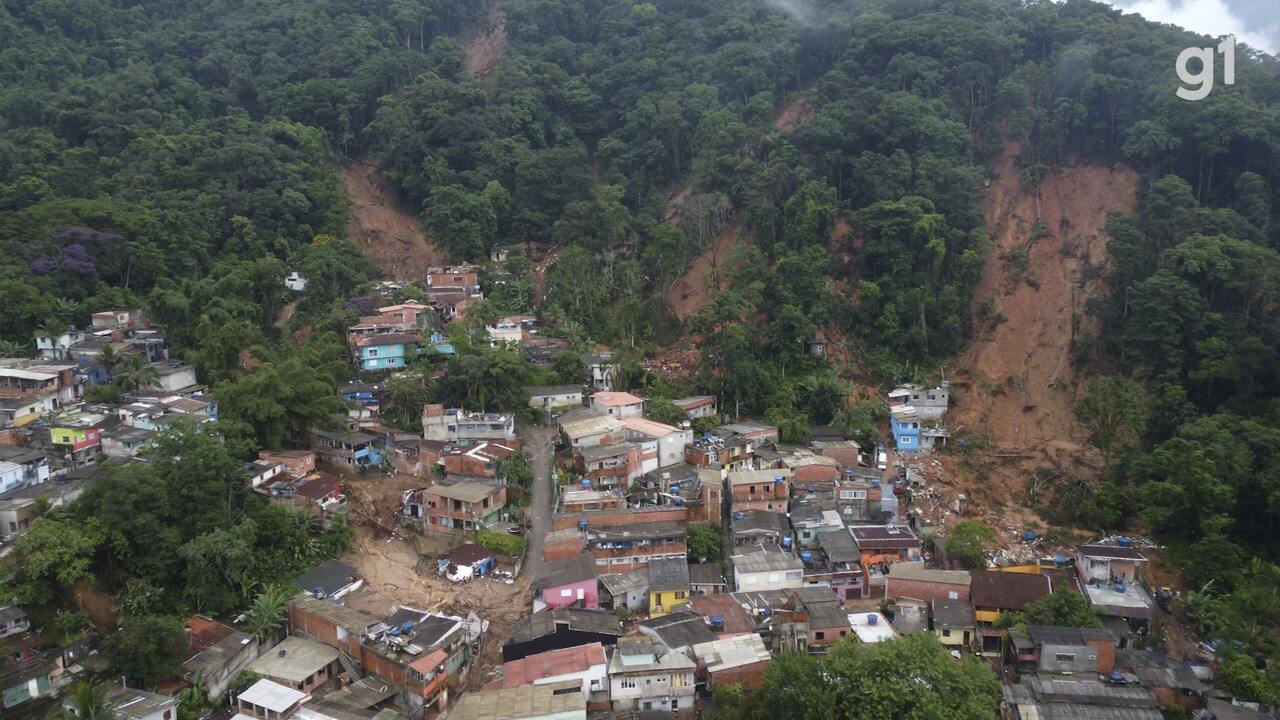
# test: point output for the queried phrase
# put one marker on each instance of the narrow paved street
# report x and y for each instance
(537, 449)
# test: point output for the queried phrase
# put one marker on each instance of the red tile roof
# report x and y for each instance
(549, 664)
(202, 634)
(1007, 590)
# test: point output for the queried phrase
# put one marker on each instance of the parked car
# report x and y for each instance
(882, 456)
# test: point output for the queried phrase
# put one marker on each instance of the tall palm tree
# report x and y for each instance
(88, 702)
(135, 373)
(266, 615)
(109, 358)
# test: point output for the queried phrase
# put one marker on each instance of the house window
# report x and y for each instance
(820, 635)
(675, 704)
(1064, 657)
(904, 440)
(946, 633)
(679, 594)
(373, 352)
(953, 596)
(567, 592)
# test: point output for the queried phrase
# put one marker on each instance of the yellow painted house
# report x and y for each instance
(953, 623)
(668, 585)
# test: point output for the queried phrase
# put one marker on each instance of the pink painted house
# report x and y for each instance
(567, 582)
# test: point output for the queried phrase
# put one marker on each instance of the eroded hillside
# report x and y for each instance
(1016, 385)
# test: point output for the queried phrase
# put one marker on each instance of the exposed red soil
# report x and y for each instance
(703, 278)
(390, 237)
(483, 50)
(1016, 384)
(795, 112)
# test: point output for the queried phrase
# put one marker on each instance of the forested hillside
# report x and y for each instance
(183, 156)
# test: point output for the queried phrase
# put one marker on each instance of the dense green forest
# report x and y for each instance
(183, 157)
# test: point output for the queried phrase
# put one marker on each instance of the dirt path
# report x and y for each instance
(537, 449)
(1016, 383)
(389, 236)
(483, 50)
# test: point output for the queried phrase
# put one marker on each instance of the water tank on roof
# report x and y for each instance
(1126, 542)
(406, 628)
(786, 542)
(395, 632)
(806, 557)
(717, 622)
(777, 478)
(586, 484)
(872, 618)
(582, 523)
(318, 592)
(1115, 677)
(875, 483)
(1061, 559)
(1029, 536)
(739, 516)
(1119, 587)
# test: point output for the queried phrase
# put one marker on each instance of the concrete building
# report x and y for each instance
(697, 406)
(668, 585)
(132, 704)
(643, 676)
(453, 424)
(552, 397)
(617, 404)
(584, 428)
(267, 700)
(298, 663)
(766, 568)
(660, 445)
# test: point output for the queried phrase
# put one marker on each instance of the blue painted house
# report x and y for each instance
(906, 433)
(385, 351)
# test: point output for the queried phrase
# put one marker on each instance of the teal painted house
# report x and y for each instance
(385, 351)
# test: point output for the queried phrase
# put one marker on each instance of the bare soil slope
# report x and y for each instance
(702, 279)
(389, 236)
(1016, 384)
(484, 49)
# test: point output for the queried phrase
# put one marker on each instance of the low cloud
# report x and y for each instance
(1256, 24)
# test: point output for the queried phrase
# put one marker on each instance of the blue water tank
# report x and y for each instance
(1029, 536)
(717, 621)
(1115, 677)
(406, 628)
(872, 618)
(786, 542)
(1061, 559)
(1119, 587)
(1126, 542)
(395, 632)
(806, 557)
(875, 483)
(586, 484)
(582, 523)
(739, 516)
(778, 478)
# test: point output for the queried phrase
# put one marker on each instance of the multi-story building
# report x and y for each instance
(454, 424)
(458, 508)
(345, 448)
(609, 466)
(630, 547)
(697, 406)
(385, 351)
(760, 490)
(644, 676)
(661, 445)
(724, 453)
